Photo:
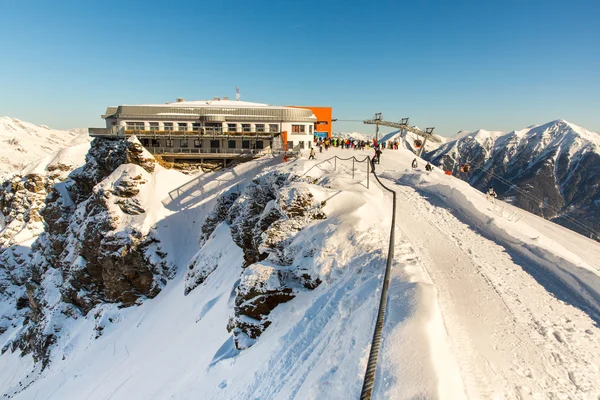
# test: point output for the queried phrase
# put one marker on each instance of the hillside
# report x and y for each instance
(552, 170)
(23, 143)
(262, 281)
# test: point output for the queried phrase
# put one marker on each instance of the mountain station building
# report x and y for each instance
(215, 129)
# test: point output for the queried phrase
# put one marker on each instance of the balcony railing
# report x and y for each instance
(207, 151)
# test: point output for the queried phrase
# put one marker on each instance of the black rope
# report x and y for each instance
(369, 379)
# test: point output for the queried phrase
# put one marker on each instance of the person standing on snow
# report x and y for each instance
(312, 154)
(428, 167)
(491, 194)
(378, 154)
(414, 164)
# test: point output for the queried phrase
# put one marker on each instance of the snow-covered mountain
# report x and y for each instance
(263, 281)
(22, 143)
(552, 170)
(353, 135)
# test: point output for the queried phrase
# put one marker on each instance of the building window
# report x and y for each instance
(231, 144)
(182, 126)
(260, 127)
(153, 126)
(290, 145)
(197, 143)
(310, 129)
(155, 143)
(135, 126)
(145, 142)
(298, 128)
(245, 144)
(260, 144)
(196, 127)
(168, 126)
(302, 144)
(231, 127)
(214, 144)
(245, 127)
(183, 143)
(169, 143)
(273, 128)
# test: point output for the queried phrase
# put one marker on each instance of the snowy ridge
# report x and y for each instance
(407, 140)
(23, 143)
(550, 170)
(485, 302)
(353, 135)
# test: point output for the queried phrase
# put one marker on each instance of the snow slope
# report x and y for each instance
(353, 135)
(485, 301)
(407, 140)
(22, 143)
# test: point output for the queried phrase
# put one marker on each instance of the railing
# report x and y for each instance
(369, 379)
(207, 151)
(336, 158)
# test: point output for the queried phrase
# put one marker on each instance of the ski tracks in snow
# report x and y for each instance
(512, 339)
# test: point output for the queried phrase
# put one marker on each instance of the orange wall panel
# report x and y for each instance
(323, 114)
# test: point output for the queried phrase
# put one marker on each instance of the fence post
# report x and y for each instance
(368, 172)
(352, 167)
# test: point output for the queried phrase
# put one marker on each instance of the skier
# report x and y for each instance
(491, 194)
(378, 154)
(428, 167)
(415, 164)
(320, 147)
(312, 154)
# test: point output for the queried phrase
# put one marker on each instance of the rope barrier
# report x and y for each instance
(369, 379)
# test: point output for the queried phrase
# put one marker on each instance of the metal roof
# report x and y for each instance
(223, 110)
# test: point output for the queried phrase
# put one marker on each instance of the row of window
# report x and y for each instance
(183, 126)
(214, 144)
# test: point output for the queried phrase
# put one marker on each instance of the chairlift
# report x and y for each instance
(418, 143)
(465, 168)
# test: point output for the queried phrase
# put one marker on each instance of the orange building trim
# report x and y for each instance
(323, 115)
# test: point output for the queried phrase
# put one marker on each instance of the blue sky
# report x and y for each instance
(455, 65)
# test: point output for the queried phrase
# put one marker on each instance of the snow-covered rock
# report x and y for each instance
(97, 246)
(264, 220)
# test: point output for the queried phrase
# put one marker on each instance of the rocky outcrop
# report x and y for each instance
(22, 216)
(22, 199)
(264, 222)
(95, 248)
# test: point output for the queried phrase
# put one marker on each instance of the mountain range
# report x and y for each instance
(552, 170)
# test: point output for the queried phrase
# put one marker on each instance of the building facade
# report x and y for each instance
(191, 129)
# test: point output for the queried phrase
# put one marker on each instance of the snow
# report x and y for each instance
(486, 301)
(22, 143)
(353, 135)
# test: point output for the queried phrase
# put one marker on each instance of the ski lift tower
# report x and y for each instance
(403, 125)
